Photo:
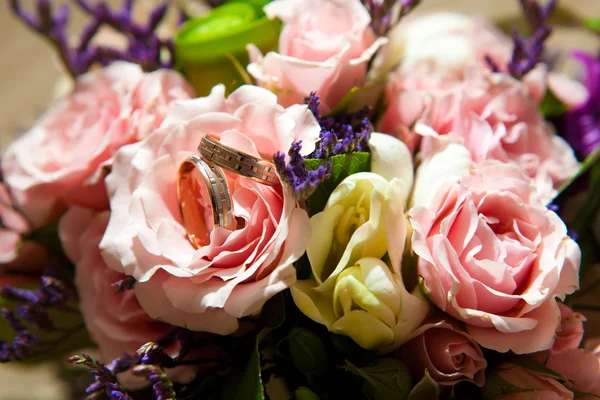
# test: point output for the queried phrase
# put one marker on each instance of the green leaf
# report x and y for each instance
(306, 350)
(386, 378)
(344, 104)
(592, 23)
(304, 393)
(247, 383)
(587, 165)
(47, 236)
(551, 105)
(342, 166)
(496, 387)
(426, 388)
(271, 316)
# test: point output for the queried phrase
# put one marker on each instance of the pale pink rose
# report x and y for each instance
(570, 332)
(495, 117)
(15, 254)
(325, 46)
(432, 53)
(535, 386)
(59, 161)
(447, 42)
(209, 288)
(446, 351)
(490, 253)
(115, 321)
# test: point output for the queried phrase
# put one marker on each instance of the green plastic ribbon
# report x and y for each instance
(212, 49)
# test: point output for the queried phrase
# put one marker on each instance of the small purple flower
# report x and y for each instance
(581, 125)
(386, 13)
(528, 52)
(125, 284)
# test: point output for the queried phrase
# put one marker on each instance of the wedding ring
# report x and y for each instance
(238, 162)
(204, 200)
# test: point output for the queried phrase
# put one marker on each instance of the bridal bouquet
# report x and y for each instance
(310, 199)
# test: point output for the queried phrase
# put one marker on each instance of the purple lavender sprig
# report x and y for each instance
(145, 47)
(302, 181)
(386, 13)
(33, 311)
(161, 383)
(527, 52)
(341, 134)
(150, 361)
(105, 379)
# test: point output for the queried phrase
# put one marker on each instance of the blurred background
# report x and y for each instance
(30, 78)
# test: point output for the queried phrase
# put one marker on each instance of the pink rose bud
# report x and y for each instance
(534, 386)
(579, 366)
(570, 332)
(446, 351)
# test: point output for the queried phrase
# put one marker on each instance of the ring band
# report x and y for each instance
(238, 162)
(192, 189)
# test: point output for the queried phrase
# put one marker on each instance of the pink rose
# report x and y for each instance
(490, 253)
(16, 254)
(325, 46)
(534, 386)
(570, 331)
(209, 288)
(59, 160)
(115, 321)
(494, 115)
(446, 351)
(579, 366)
(447, 42)
(578, 371)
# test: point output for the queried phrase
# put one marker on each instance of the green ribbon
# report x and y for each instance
(211, 49)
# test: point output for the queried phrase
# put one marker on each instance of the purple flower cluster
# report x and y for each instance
(33, 310)
(144, 46)
(341, 134)
(581, 125)
(527, 52)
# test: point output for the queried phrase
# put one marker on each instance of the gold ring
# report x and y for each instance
(201, 186)
(238, 162)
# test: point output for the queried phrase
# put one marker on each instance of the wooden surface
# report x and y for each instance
(28, 78)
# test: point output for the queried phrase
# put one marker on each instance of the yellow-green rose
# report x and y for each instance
(352, 291)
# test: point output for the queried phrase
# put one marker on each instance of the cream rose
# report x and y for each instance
(353, 292)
